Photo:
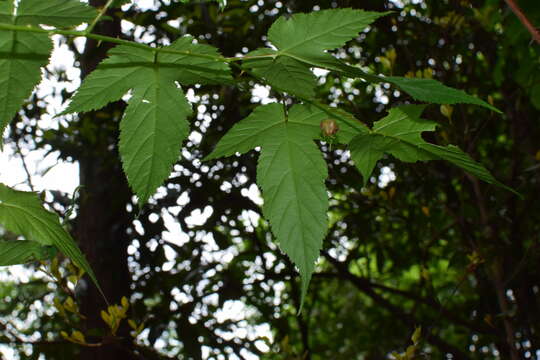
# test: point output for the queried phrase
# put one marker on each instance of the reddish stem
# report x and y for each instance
(524, 20)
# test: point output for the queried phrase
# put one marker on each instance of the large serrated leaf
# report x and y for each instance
(23, 214)
(24, 251)
(317, 31)
(247, 134)
(154, 124)
(152, 132)
(291, 172)
(22, 54)
(399, 134)
(302, 37)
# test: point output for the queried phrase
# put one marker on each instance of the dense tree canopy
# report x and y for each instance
(418, 245)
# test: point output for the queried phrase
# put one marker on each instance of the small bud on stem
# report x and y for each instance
(329, 127)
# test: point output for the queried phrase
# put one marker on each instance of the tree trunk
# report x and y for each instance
(103, 219)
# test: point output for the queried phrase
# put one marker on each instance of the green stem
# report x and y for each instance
(104, 38)
(11, 27)
(242, 58)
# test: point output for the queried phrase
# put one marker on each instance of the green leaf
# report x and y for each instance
(283, 73)
(399, 134)
(23, 251)
(22, 54)
(318, 31)
(6, 11)
(430, 90)
(57, 13)
(427, 90)
(154, 124)
(23, 214)
(302, 38)
(291, 173)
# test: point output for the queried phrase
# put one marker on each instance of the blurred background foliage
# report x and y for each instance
(422, 245)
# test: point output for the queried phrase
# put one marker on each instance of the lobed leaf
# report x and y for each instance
(155, 122)
(299, 40)
(291, 173)
(399, 134)
(22, 55)
(152, 131)
(292, 37)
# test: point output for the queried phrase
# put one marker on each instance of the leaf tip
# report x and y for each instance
(305, 279)
(209, 157)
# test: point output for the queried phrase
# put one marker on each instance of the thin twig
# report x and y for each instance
(25, 167)
(524, 20)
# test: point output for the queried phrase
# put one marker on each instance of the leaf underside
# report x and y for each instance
(399, 134)
(303, 40)
(430, 90)
(303, 36)
(155, 122)
(291, 172)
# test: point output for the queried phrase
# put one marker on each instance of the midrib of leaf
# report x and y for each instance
(397, 139)
(311, 38)
(148, 138)
(156, 90)
(301, 210)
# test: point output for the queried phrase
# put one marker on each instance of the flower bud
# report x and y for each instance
(329, 127)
